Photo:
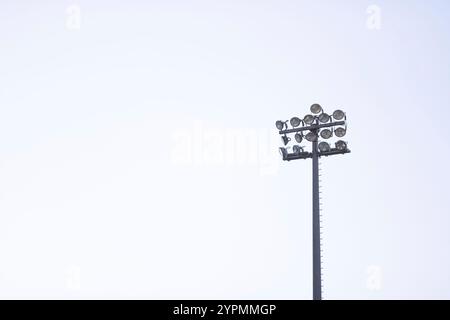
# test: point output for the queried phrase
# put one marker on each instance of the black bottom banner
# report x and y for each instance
(222, 309)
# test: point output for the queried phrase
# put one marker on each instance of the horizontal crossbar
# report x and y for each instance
(313, 127)
(307, 155)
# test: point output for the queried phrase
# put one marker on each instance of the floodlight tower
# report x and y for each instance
(317, 124)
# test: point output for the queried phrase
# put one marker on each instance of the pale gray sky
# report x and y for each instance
(138, 152)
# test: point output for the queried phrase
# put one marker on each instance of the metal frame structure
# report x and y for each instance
(315, 123)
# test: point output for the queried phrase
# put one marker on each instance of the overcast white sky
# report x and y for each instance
(138, 152)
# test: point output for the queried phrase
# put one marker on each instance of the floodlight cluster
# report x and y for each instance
(312, 127)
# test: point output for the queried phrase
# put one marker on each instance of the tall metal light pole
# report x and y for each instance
(318, 124)
(317, 266)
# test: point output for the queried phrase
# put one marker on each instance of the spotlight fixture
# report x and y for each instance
(338, 115)
(326, 133)
(340, 132)
(283, 153)
(316, 124)
(280, 125)
(295, 122)
(324, 146)
(297, 149)
(316, 108)
(308, 119)
(323, 117)
(285, 139)
(341, 145)
(311, 136)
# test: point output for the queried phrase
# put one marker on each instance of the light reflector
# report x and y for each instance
(297, 149)
(316, 108)
(340, 132)
(311, 136)
(309, 119)
(324, 146)
(341, 145)
(283, 153)
(279, 124)
(338, 115)
(295, 122)
(285, 139)
(326, 133)
(323, 117)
